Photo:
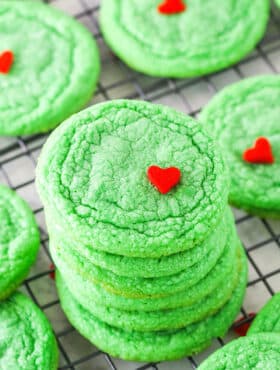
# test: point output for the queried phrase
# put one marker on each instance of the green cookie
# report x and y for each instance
(153, 346)
(81, 286)
(206, 37)
(19, 240)
(237, 116)
(162, 319)
(93, 174)
(146, 267)
(27, 341)
(259, 351)
(141, 287)
(268, 319)
(55, 69)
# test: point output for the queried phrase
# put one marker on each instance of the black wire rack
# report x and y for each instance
(260, 237)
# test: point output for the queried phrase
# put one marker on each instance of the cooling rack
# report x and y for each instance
(261, 238)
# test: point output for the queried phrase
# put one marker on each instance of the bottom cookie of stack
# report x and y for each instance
(156, 345)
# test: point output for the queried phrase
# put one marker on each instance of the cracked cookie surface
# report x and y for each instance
(258, 351)
(206, 37)
(93, 172)
(236, 117)
(19, 240)
(27, 340)
(55, 69)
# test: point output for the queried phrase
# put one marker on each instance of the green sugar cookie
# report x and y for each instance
(19, 240)
(162, 319)
(80, 285)
(152, 346)
(142, 287)
(145, 267)
(27, 341)
(259, 351)
(207, 36)
(104, 198)
(184, 298)
(268, 319)
(237, 117)
(54, 70)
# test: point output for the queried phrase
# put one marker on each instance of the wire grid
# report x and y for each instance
(260, 237)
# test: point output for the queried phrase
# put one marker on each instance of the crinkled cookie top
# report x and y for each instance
(92, 173)
(236, 117)
(207, 36)
(259, 351)
(27, 341)
(55, 67)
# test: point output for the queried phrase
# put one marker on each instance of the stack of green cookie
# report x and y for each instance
(149, 266)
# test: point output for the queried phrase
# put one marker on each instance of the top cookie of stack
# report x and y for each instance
(92, 178)
(134, 263)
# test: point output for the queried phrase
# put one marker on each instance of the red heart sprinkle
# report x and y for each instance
(241, 327)
(6, 61)
(164, 179)
(171, 7)
(260, 153)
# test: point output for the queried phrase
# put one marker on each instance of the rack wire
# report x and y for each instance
(260, 237)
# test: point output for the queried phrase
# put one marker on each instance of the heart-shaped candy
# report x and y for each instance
(261, 153)
(172, 7)
(6, 61)
(242, 325)
(164, 179)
